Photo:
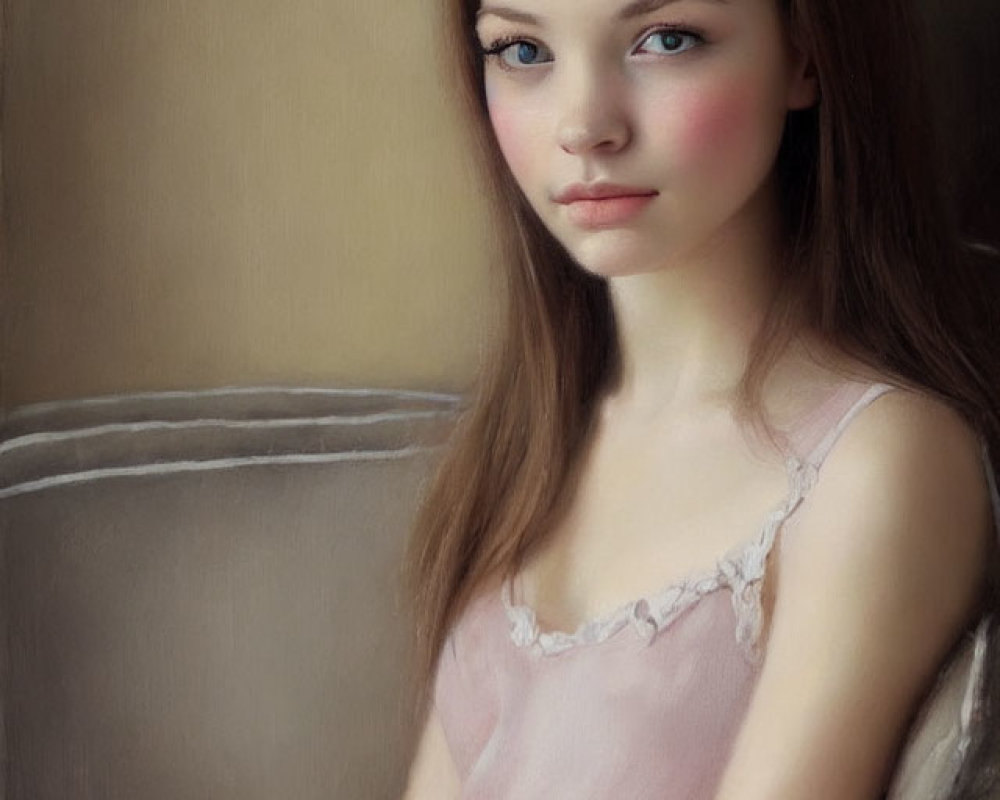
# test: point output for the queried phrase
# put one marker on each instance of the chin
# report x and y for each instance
(615, 256)
(612, 271)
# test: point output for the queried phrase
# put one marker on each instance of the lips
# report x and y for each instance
(599, 191)
(602, 205)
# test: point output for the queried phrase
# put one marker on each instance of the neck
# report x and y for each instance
(684, 331)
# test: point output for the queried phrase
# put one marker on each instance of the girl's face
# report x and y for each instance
(639, 131)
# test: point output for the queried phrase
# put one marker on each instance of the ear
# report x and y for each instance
(803, 88)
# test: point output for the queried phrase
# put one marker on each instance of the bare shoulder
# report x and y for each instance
(910, 450)
(912, 419)
(884, 569)
(907, 485)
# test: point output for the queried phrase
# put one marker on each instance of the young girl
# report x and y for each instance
(720, 509)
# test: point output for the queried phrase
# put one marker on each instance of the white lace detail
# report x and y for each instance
(647, 616)
(741, 569)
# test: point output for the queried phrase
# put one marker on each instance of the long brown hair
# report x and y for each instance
(872, 260)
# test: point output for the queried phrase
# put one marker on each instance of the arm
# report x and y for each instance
(877, 580)
(433, 775)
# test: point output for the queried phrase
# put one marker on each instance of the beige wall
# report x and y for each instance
(213, 192)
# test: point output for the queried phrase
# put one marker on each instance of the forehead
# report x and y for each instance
(535, 12)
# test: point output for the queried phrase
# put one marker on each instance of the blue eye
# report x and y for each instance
(670, 41)
(515, 53)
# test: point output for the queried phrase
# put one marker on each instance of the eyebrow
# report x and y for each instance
(636, 8)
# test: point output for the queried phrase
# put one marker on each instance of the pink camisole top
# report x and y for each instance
(645, 702)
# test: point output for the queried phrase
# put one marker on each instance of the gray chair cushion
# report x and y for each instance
(209, 608)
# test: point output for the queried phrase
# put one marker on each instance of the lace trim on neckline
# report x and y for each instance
(741, 569)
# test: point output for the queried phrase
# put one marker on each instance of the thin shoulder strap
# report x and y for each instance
(818, 454)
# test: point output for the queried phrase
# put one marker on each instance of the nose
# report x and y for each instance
(593, 117)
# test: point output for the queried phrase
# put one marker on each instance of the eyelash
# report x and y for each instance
(496, 49)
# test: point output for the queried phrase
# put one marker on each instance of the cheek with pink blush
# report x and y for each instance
(513, 134)
(716, 126)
